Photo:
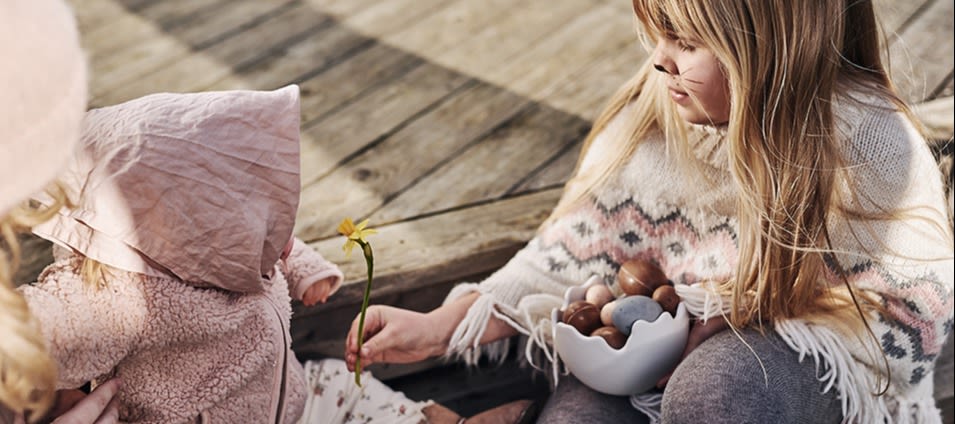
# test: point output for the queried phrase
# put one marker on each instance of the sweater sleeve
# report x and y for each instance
(906, 261)
(304, 267)
(88, 330)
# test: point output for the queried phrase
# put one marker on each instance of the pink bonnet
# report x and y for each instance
(203, 186)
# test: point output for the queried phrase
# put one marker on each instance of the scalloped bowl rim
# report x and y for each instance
(621, 371)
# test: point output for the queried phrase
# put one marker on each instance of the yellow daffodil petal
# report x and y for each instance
(348, 246)
(347, 227)
(361, 225)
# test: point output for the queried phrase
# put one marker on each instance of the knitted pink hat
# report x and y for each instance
(43, 87)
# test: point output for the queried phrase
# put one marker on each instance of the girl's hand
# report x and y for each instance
(699, 332)
(394, 335)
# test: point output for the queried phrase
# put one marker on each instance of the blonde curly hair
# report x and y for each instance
(27, 372)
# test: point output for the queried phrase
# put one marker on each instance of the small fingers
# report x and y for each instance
(92, 407)
(111, 414)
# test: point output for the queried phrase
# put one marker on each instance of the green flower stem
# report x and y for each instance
(370, 263)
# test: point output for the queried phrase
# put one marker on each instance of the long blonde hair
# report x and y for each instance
(785, 62)
(27, 372)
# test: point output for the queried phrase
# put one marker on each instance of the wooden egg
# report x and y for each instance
(606, 313)
(599, 295)
(666, 296)
(583, 316)
(611, 335)
(640, 277)
(634, 308)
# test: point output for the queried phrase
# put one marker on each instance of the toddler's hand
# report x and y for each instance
(318, 292)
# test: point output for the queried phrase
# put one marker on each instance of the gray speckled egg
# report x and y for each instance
(632, 308)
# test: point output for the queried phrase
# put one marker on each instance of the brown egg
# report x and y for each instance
(599, 295)
(640, 277)
(611, 335)
(583, 316)
(606, 313)
(666, 296)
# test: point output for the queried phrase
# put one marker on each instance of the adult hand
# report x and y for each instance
(101, 406)
(699, 332)
(394, 335)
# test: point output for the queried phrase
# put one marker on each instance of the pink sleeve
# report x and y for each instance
(88, 330)
(304, 267)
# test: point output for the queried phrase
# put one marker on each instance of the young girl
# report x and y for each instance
(179, 258)
(39, 125)
(762, 159)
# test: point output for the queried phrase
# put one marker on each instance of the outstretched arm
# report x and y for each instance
(311, 278)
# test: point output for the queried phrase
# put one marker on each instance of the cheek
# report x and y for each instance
(713, 93)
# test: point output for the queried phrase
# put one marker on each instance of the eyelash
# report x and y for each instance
(683, 45)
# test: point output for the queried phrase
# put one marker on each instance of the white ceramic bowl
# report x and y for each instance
(652, 350)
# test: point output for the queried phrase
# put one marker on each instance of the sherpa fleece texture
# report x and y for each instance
(184, 353)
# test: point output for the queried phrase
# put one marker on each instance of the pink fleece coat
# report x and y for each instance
(185, 354)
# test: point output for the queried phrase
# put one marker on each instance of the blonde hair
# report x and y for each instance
(27, 372)
(785, 62)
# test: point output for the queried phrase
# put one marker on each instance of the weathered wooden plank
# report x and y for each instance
(555, 172)
(365, 71)
(923, 54)
(489, 169)
(341, 9)
(587, 94)
(449, 27)
(197, 71)
(507, 40)
(371, 178)
(439, 248)
(298, 61)
(894, 14)
(92, 14)
(138, 69)
(373, 113)
(566, 52)
(386, 17)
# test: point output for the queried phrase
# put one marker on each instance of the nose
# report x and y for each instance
(662, 61)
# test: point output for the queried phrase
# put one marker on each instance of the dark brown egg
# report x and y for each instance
(640, 277)
(666, 296)
(582, 315)
(611, 335)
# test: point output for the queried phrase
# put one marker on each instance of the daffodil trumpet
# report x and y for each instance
(355, 236)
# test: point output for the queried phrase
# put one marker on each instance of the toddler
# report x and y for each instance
(177, 263)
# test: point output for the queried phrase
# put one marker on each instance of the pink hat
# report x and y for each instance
(43, 87)
(203, 186)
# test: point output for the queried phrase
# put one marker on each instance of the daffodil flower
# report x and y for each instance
(355, 236)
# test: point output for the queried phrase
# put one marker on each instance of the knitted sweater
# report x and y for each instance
(684, 218)
(185, 354)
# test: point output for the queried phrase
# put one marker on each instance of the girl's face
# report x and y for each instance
(695, 80)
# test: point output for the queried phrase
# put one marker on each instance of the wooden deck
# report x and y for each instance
(450, 124)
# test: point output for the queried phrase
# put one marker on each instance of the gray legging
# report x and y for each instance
(719, 382)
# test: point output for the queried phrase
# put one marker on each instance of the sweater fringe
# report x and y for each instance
(649, 404)
(525, 318)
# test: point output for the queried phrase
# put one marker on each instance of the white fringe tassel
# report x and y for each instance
(649, 404)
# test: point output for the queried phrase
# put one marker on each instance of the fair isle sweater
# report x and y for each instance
(683, 218)
(185, 354)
